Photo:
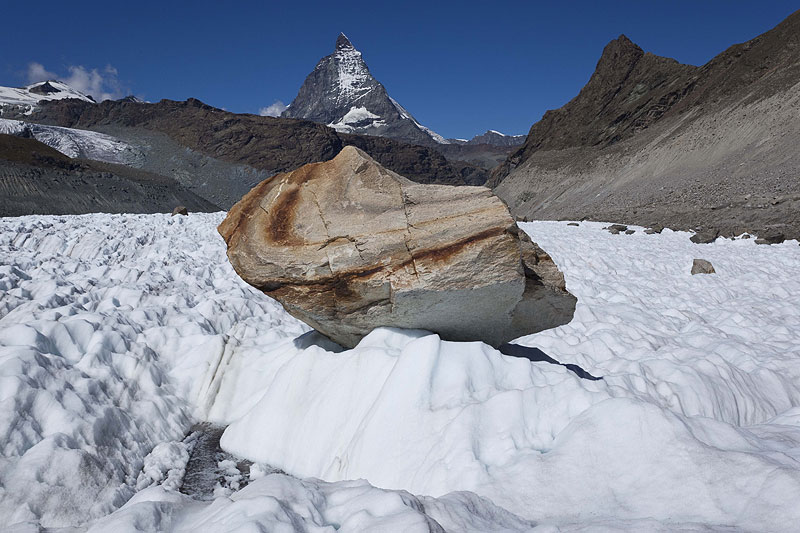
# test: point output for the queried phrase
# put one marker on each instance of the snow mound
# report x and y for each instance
(74, 142)
(282, 503)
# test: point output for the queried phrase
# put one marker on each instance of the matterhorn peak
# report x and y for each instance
(343, 43)
(342, 93)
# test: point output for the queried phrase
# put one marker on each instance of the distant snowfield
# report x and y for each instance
(118, 332)
(74, 142)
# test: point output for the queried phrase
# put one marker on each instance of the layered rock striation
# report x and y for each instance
(347, 246)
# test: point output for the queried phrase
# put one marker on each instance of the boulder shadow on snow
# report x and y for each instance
(536, 355)
(315, 338)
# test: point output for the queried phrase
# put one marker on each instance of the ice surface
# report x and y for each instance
(695, 373)
(282, 503)
(74, 142)
(110, 327)
(118, 332)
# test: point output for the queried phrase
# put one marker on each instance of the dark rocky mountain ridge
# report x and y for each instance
(493, 138)
(651, 141)
(221, 155)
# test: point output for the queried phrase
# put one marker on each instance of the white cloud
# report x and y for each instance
(37, 72)
(273, 110)
(100, 84)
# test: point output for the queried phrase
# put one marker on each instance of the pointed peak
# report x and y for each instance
(623, 40)
(343, 43)
(622, 44)
(619, 53)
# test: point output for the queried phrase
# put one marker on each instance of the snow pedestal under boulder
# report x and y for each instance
(347, 246)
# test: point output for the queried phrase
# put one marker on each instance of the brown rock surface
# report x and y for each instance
(347, 246)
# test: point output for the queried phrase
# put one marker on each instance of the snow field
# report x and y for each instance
(117, 332)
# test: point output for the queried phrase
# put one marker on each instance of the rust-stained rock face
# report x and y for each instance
(347, 246)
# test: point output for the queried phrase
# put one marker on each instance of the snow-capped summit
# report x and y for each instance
(342, 93)
(24, 99)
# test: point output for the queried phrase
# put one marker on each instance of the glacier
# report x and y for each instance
(74, 142)
(119, 332)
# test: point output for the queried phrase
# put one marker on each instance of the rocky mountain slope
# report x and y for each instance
(493, 138)
(37, 179)
(651, 141)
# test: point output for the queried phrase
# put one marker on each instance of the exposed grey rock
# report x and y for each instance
(180, 210)
(38, 180)
(705, 237)
(771, 237)
(701, 266)
(495, 138)
(630, 231)
(573, 224)
(347, 246)
(657, 228)
(616, 228)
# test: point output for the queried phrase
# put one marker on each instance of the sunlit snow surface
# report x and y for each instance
(118, 332)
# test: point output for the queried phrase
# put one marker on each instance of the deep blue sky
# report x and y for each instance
(459, 68)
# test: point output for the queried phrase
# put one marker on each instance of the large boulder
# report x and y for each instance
(347, 246)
